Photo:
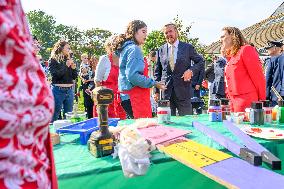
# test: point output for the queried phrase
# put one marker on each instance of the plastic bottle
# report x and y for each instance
(225, 107)
(215, 111)
(275, 113)
(281, 111)
(267, 111)
(256, 113)
(164, 111)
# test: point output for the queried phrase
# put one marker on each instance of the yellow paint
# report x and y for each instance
(193, 153)
(207, 151)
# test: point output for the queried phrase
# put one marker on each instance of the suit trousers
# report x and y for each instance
(182, 106)
(88, 104)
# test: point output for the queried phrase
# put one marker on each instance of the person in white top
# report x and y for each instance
(102, 70)
(106, 74)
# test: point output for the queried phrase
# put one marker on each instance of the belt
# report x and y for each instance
(63, 88)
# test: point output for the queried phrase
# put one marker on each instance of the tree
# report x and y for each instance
(43, 27)
(95, 40)
(48, 33)
(156, 38)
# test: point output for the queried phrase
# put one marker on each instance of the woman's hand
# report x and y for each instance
(69, 62)
(160, 85)
(73, 65)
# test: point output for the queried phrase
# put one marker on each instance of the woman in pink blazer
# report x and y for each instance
(245, 80)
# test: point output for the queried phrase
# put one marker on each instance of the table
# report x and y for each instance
(77, 168)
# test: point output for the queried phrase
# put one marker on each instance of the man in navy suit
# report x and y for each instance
(274, 71)
(174, 68)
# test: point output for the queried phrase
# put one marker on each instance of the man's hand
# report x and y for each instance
(187, 75)
(197, 87)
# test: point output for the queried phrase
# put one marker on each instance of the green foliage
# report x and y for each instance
(156, 38)
(95, 41)
(43, 27)
(48, 32)
(92, 41)
(81, 98)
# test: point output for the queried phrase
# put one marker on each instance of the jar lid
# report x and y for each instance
(266, 103)
(224, 101)
(214, 102)
(162, 112)
(280, 103)
(163, 103)
(256, 105)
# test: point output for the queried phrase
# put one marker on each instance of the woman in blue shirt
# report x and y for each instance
(133, 77)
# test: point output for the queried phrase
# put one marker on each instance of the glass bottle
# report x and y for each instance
(215, 111)
(256, 113)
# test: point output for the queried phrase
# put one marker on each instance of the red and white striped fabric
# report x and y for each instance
(26, 107)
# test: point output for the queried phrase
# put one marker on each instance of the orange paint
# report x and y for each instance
(274, 114)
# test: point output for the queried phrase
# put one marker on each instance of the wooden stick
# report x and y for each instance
(276, 93)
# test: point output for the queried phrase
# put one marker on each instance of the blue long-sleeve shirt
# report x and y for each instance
(131, 68)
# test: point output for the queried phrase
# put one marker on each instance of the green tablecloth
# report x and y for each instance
(77, 168)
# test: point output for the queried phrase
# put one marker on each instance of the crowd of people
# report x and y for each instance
(28, 103)
(175, 68)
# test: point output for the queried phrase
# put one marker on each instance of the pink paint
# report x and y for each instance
(159, 134)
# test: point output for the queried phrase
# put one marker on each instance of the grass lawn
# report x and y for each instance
(81, 98)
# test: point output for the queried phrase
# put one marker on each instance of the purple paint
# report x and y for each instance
(224, 141)
(245, 176)
(247, 140)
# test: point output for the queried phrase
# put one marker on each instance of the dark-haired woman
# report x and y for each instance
(133, 73)
(63, 71)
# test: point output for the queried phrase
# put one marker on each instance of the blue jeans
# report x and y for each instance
(62, 96)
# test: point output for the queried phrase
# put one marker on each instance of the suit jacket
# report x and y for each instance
(244, 74)
(209, 72)
(219, 82)
(274, 75)
(185, 54)
(198, 75)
